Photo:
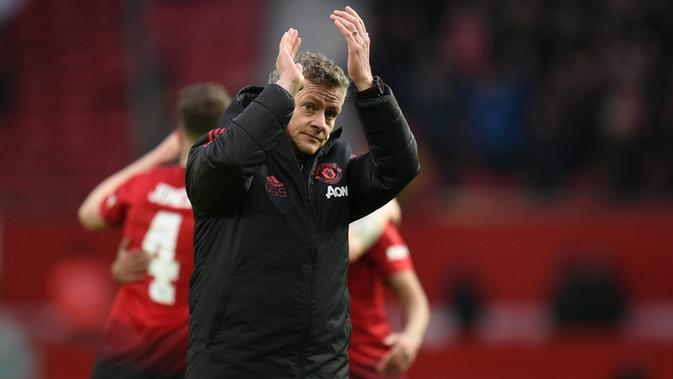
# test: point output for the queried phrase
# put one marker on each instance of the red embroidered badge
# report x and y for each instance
(328, 172)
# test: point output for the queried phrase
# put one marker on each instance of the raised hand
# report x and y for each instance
(290, 74)
(353, 30)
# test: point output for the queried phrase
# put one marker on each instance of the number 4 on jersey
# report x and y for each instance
(160, 242)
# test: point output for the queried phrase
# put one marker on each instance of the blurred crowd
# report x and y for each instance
(540, 94)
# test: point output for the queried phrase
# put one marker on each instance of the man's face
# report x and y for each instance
(315, 111)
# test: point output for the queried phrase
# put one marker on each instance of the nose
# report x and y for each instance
(319, 121)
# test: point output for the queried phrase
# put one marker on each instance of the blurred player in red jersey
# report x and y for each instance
(146, 332)
(380, 258)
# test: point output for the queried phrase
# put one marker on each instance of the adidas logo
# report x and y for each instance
(275, 187)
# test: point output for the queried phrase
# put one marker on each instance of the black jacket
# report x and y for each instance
(268, 296)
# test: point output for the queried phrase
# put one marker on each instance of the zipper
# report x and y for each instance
(307, 321)
(313, 161)
(311, 172)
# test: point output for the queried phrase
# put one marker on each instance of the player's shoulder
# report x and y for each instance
(391, 235)
(391, 251)
(140, 185)
(166, 188)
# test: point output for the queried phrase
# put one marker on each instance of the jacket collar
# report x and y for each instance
(244, 97)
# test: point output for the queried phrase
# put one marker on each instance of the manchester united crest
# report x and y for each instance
(329, 173)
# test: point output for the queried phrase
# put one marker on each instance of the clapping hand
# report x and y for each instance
(353, 30)
(290, 74)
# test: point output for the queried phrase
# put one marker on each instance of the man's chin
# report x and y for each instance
(309, 150)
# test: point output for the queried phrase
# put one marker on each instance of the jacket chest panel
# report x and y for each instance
(324, 190)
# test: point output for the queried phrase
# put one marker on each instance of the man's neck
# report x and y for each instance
(184, 154)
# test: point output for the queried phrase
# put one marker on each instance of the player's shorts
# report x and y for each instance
(107, 369)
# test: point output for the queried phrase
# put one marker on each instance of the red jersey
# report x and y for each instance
(148, 322)
(366, 283)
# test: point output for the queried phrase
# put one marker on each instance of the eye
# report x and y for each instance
(309, 107)
(331, 115)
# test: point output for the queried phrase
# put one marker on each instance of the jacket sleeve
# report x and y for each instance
(392, 162)
(221, 165)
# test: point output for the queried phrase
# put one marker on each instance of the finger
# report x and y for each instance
(283, 41)
(396, 363)
(393, 369)
(143, 266)
(140, 262)
(291, 39)
(295, 47)
(352, 28)
(390, 340)
(345, 32)
(383, 363)
(132, 277)
(386, 359)
(360, 21)
(124, 244)
(144, 257)
(127, 256)
(134, 270)
(137, 274)
(133, 260)
(350, 18)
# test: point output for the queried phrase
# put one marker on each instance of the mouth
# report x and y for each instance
(312, 137)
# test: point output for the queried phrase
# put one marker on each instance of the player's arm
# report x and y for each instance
(392, 162)
(90, 211)
(220, 169)
(415, 317)
(363, 233)
(376, 177)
